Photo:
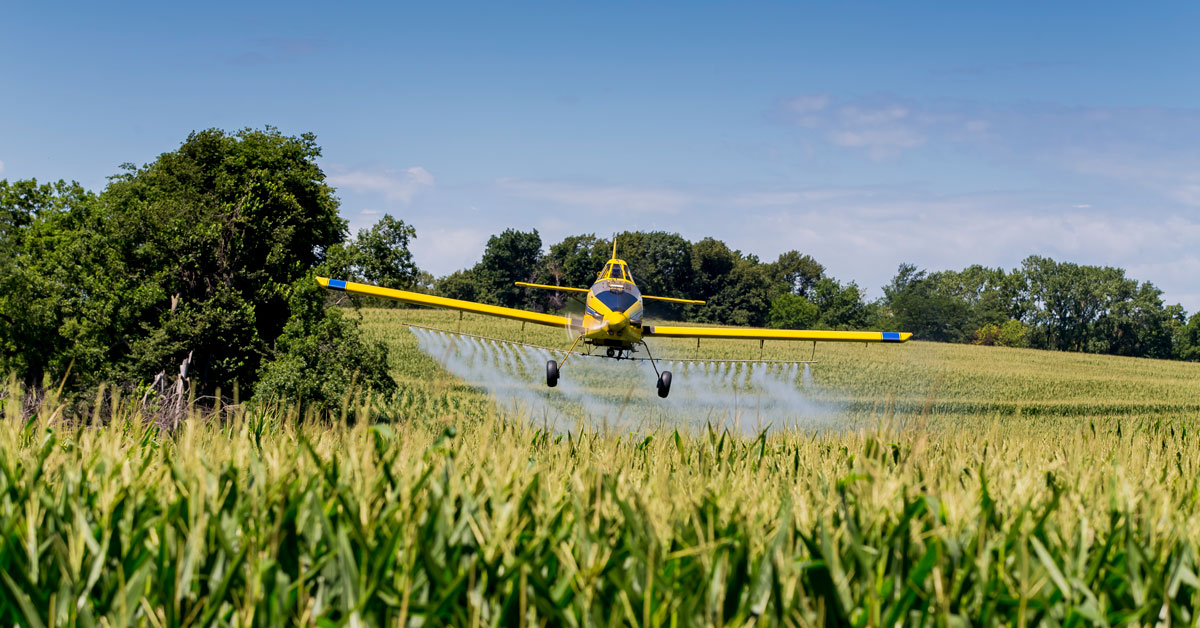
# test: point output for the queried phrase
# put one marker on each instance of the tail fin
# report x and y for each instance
(614, 255)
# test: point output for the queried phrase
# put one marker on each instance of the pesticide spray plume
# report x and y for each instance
(747, 398)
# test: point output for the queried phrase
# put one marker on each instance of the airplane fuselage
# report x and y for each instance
(613, 314)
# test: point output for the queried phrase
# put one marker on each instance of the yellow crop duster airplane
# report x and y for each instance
(613, 318)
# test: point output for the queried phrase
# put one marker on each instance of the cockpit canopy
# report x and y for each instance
(616, 269)
(615, 288)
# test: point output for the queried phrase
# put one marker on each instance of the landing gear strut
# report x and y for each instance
(664, 378)
(552, 374)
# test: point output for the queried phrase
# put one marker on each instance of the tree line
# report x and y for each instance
(1041, 304)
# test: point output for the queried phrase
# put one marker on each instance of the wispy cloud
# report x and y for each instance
(864, 236)
(796, 198)
(443, 249)
(1172, 175)
(1150, 149)
(863, 233)
(275, 50)
(881, 127)
(401, 186)
(992, 70)
(590, 196)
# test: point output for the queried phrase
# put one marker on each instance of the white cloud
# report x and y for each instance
(400, 186)
(856, 115)
(864, 238)
(443, 249)
(880, 143)
(882, 128)
(1141, 149)
(807, 104)
(859, 233)
(1175, 177)
(864, 233)
(793, 198)
(597, 197)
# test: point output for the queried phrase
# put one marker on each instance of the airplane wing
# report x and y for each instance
(545, 287)
(526, 284)
(452, 304)
(663, 331)
(672, 299)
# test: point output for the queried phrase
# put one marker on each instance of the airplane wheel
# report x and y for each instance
(610, 353)
(664, 384)
(551, 373)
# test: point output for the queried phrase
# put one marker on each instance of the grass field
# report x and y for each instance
(947, 382)
(947, 485)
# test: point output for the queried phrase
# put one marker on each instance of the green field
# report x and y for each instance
(945, 485)
(947, 382)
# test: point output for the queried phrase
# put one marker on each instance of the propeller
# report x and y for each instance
(577, 328)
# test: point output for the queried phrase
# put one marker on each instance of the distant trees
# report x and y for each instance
(378, 256)
(575, 261)
(926, 305)
(509, 257)
(796, 273)
(1042, 304)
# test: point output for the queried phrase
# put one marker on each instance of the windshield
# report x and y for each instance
(617, 301)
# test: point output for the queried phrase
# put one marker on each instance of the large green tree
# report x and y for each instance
(215, 233)
(737, 288)
(379, 255)
(52, 280)
(921, 304)
(575, 260)
(510, 257)
(203, 252)
(661, 263)
(795, 273)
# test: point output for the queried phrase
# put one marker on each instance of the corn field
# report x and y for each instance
(1057, 506)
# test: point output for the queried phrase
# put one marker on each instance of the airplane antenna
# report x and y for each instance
(614, 255)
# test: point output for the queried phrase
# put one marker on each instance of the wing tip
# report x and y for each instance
(336, 284)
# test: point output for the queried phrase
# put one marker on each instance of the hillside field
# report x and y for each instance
(943, 485)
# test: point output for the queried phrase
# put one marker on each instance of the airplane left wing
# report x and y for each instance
(451, 304)
(526, 284)
(663, 331)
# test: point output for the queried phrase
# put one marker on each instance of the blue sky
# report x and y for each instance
(864, 134)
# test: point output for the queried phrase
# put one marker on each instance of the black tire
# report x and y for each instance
(664, 384)
(551, 373)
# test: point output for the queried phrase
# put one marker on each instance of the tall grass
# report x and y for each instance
(248, 517)
(980, 486)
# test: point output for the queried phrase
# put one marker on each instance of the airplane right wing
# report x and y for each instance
(735, 333)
